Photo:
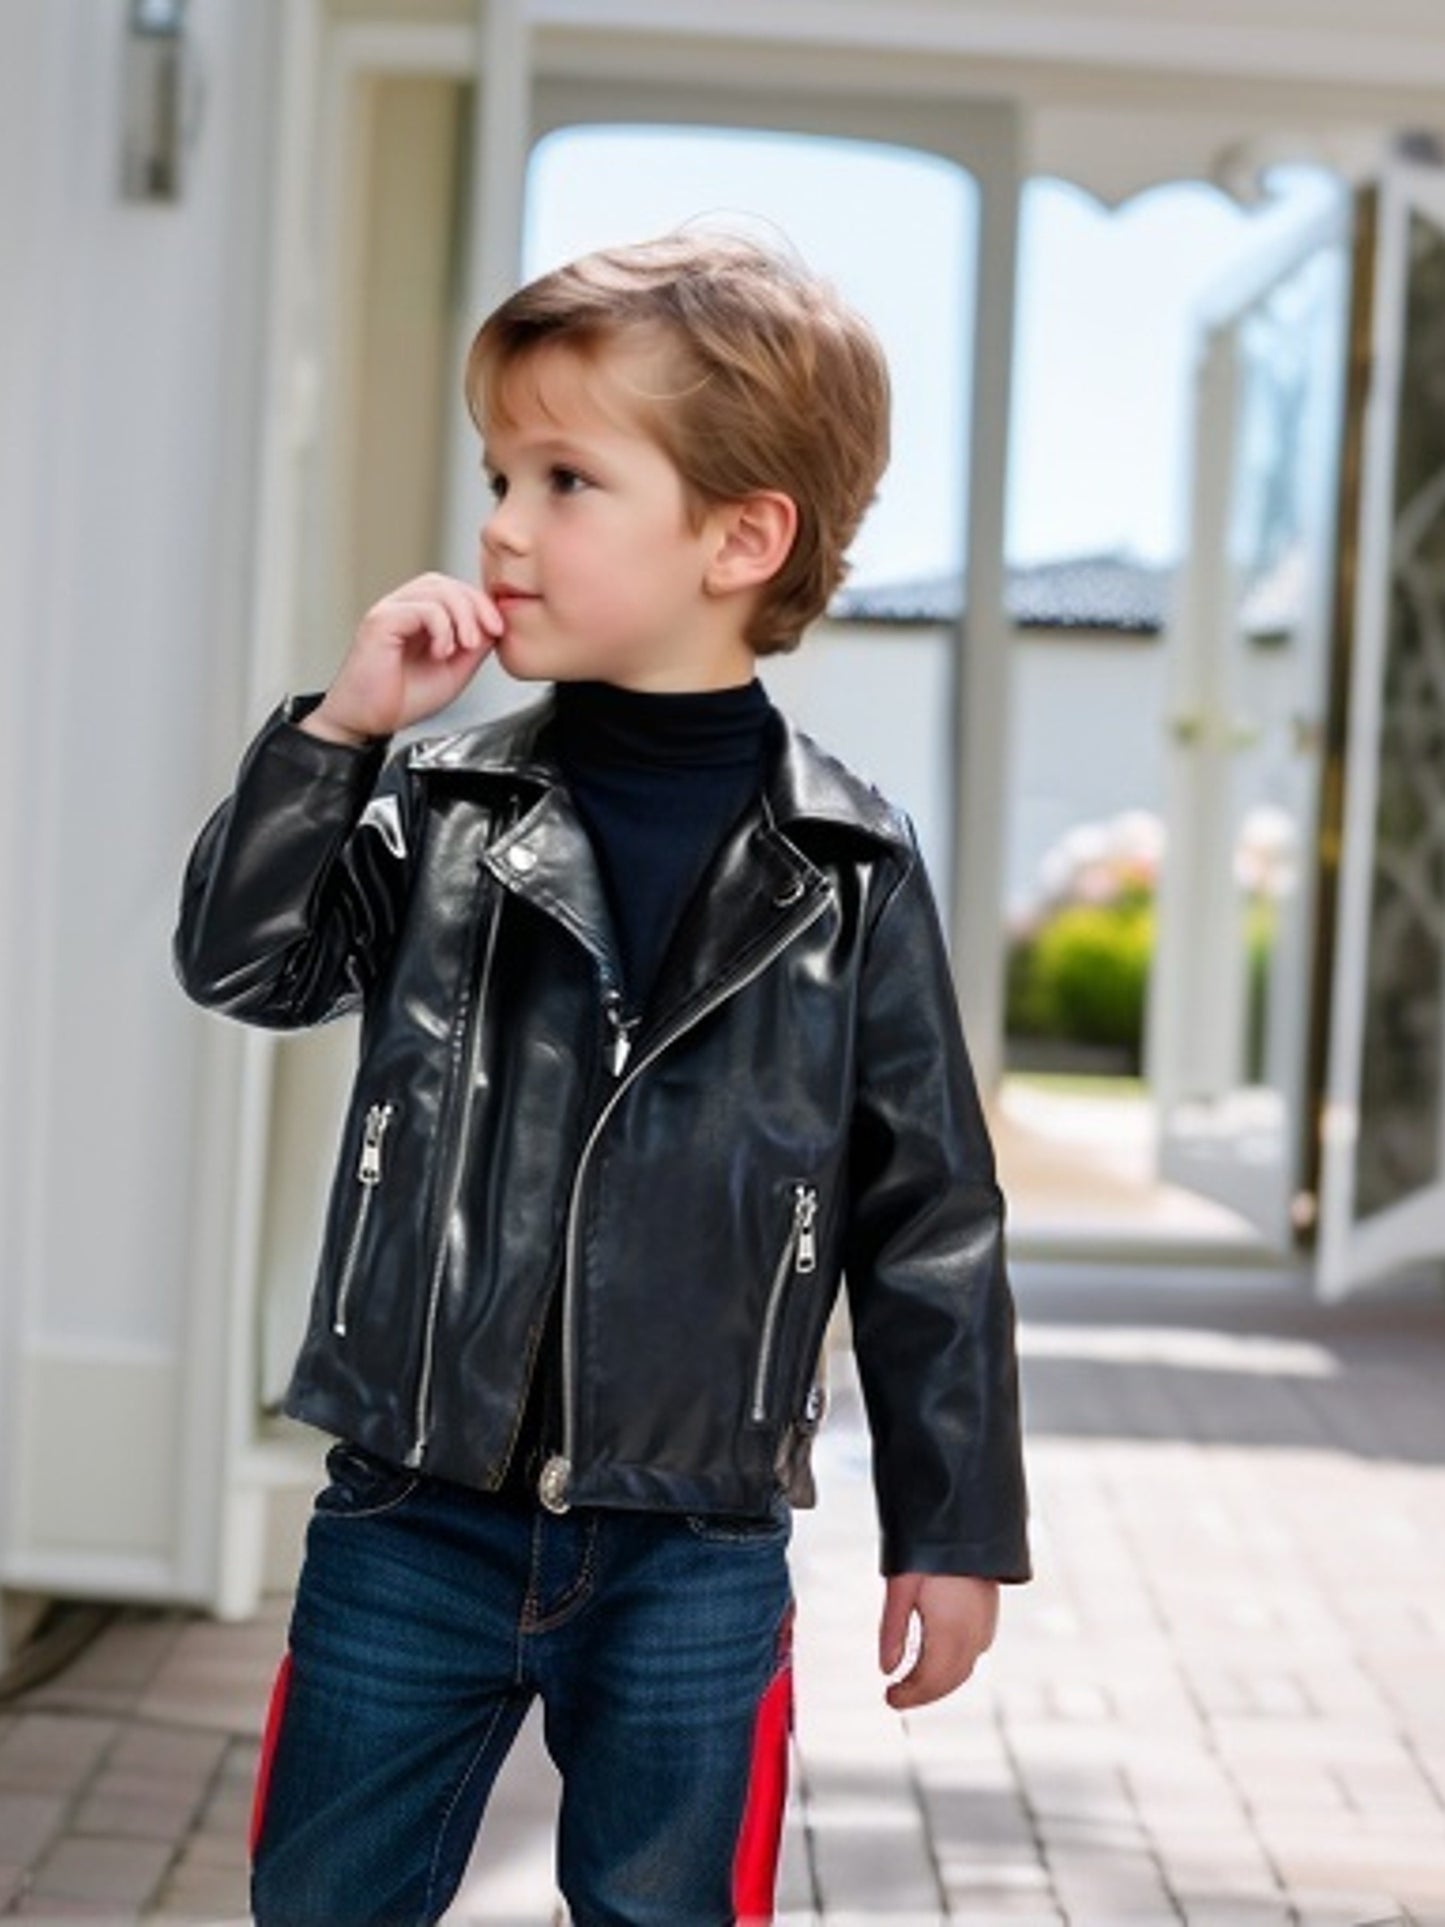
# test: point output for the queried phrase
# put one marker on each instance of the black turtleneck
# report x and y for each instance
(657, 780)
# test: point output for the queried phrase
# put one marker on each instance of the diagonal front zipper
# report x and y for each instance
(368, 1176)
(554, 1485)
(799, 1257)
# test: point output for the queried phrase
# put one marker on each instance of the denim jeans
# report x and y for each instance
(427, 1619)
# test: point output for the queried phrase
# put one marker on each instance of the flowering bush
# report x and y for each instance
(1078, 964)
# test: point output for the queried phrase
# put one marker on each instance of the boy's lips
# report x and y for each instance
(505, 596)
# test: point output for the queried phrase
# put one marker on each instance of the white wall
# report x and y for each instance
(132, 338)
(1087, 741)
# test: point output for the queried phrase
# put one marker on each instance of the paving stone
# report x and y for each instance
(157, 1753)
(1209, 1910)
(47, 1907)
(983, 1827)
(239, 1763)
(1346, 1907)
(51, 1753)
(872, 1856)
(28, 1822)
(1119, 1912)
(114, 1670)
(1118, 1884)
(136, 1817)
(1027, 1914)
(897, 1914)
(203, 1893)
(1023, 1885)
(226, 1849)
(795, 1864)
(124, 1872)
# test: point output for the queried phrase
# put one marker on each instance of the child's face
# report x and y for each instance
(588, 552)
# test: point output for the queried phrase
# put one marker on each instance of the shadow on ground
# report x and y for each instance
(1248, 1362)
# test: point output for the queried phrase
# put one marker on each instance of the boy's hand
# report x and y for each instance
(957, 1619)
(414, 651)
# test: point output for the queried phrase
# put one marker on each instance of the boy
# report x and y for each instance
(658, 1040)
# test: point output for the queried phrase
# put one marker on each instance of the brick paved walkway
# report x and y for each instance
(1222, 1701)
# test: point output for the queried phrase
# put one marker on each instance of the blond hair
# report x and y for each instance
(776, 384)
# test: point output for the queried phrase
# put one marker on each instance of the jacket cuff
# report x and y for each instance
(353, 765)
(1005, 1558)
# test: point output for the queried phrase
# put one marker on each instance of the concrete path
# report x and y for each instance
(1222, 1701)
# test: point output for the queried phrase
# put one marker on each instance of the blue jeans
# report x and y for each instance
(428, 1617)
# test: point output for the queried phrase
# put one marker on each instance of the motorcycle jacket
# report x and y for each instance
(793, 1111)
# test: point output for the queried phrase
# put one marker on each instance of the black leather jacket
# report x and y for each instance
(795, 1106)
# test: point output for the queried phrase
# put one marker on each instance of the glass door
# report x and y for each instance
(1382, 1178)
(1228, 1045)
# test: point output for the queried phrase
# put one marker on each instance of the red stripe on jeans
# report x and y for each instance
(755, 1869)
(275, 1713)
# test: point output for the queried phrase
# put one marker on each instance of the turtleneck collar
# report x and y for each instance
(600, 726)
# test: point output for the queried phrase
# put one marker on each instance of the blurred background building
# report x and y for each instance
(1147, 630)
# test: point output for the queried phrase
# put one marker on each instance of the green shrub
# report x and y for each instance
(1082, 975)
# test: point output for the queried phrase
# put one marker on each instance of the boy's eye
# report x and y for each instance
(566, 481)
(497, 486)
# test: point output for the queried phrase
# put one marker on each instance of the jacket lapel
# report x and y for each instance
(547, 858)
(758, 891)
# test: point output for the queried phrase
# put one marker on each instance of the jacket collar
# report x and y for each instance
(761, 890)
(804, 783)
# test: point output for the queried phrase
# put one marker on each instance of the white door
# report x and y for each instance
(1248, 674)
(1382, 1189)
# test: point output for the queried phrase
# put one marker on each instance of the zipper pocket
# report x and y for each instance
(368, 1176)
(799, 1257)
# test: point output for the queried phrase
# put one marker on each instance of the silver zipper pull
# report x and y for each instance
(805, 1210)
(377, 1119)
(619, 1047)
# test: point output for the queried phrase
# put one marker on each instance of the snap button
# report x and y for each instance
(790, 893)
(555, 1485)
(521, 858)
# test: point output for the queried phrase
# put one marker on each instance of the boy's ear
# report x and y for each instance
(756, 537)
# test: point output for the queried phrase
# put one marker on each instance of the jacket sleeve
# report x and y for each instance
(295, 886)
(932, 1312)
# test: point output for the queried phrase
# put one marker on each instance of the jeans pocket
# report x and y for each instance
(362, 1485)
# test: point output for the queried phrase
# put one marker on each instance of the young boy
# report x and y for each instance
(658, 1042)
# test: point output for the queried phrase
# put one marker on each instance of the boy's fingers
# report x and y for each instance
(456, 616)
(899, 1601)
(424, 617)
(477, 618)
(491, 616)
(944, 1663)
(464, 605)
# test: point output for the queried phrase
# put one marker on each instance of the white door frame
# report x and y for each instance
(1250, 1159)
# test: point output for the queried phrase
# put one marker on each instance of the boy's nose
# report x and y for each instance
(503, 530)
